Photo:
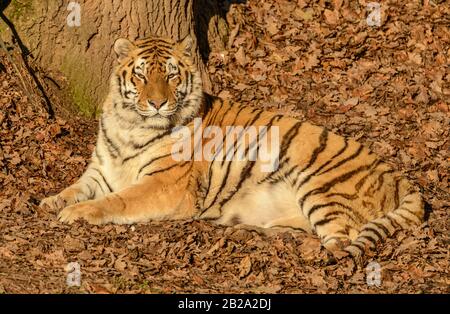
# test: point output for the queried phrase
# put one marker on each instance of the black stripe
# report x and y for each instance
(370, 238)
(119, 83)
(184, 91)
(394, 223)
(382, 227)
(287, 173)
(241, 134)
(222, 185)
(155, 42)
(345, 195)
(319, 206)
(344, 231)
(406, 218)
(189, 82)
(104, 180)
(156, 47)
(227, 134)
(186, 172)
(109, 143)
(289, 137)
(293, 228)
(151, 54)
(168, 168)
(244, 174)
(124, 76)
(150, 141)
(98, 183)
(343, 161)
(212, 116)
(122, 79)
(371, 229)
(323, 222)
(381, 179)
(239, 108)
(91, 192)
(322, 146)
(340, 152)
(383, 203)
(342, 178)
(396, 196)
(358, 186)
(325, 164)
(357, 219)
(150, 162)
(210, 174)
(361, 182)
(285, 144)
(359, 245)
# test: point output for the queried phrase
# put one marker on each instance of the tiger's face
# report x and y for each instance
(157, 80)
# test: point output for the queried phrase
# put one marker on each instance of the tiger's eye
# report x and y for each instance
(139, 76)
(172, 76)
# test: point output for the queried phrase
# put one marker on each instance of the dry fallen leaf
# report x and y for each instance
(331, 17)
(245, 267)
(241, 57)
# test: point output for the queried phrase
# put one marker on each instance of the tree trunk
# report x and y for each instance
(73, 41)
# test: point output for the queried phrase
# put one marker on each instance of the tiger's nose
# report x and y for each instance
(157, 103)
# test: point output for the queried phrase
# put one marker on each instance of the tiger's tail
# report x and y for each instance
(408, 214)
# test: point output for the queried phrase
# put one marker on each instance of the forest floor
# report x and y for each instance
(387, 86)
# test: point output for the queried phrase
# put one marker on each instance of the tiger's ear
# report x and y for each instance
(185, 46)
(122, 48)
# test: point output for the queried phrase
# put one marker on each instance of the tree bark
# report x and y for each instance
(80, 58)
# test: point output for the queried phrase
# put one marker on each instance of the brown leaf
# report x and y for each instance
(331, 17)
(241, 57)
(198, 279)
(310, 248)
(305, 15)
(73, 245)
(271, 26)
(312, 60)
(245, 267)
(120, 265)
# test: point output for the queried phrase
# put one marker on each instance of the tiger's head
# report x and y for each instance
(157, 81)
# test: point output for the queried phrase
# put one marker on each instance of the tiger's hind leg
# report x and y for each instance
(333, 225)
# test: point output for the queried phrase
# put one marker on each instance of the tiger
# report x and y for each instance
(321, 183)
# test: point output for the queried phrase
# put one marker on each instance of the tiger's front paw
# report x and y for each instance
(87, 211)
(67, 197)
(52, 202)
